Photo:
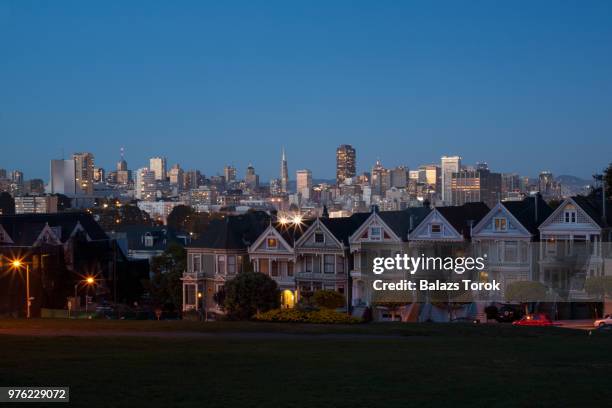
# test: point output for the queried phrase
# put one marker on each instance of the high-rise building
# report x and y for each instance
(36, 204)
(275, 187)
(193, 179)
(304, 183)
(84, 172)
(99, 174)
(284, 174)
(476, 185)
(380, 179)
(548, 187)
(251, 179)
(63, 178)
(34, 186)
(158, 166)
(398, 177)
(176, 176)
(345, 163)
(2, 174)
(448, 165)
(229, 172)
(145, 186)
(17, 177)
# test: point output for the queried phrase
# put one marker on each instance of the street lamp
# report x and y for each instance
(88, 282)
(18, 264)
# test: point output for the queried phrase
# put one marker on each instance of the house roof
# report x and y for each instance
(400, 221)
(233, 232)
(593, 206)
(342, 228)
(464, 216)
(24, 229)
(525, 212)
(135, 234)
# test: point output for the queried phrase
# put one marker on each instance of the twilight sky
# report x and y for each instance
(523, 85)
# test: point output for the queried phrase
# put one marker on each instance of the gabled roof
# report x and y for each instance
(525, 212)
(233, 232)
(462, 216)
(24, 229)
(342, 228)
(400, 221)
(593, 206)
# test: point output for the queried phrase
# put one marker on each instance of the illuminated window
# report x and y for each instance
(272, 243)
(501, 224)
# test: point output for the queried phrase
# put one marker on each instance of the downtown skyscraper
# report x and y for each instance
(345, 163)
(284, 174)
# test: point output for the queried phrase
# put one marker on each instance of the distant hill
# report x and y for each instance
(572, 185)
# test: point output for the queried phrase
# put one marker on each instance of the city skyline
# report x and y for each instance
(406, 83)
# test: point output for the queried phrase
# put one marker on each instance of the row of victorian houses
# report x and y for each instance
(523, 240)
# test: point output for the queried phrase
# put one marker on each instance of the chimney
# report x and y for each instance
(411, 222)
(535, 200)
(374, 208)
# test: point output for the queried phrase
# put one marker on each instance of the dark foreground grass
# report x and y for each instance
(453, 365)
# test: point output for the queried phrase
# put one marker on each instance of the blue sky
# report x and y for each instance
(525, 86)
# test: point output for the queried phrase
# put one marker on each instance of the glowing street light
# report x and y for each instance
(18, 264)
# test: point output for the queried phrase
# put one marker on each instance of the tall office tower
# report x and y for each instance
(229, 172)
(548, 187)
(2, 174)
(145, 186)
(379, 179)
(398, 177)
(84, 172)
(284, 173)
(345, 163)
(510, 184)
(304, 183)
(63, 178)
(477, 185)
(275, 187)
(430, 175)
(192, 179)
(99, 174)
(448, 165)
(176, 176)
(17, 177)
(158, 166)
(251, 179)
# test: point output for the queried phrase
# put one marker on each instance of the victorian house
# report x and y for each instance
(574, 243)
(59, 251)
(505, 237)
(273, 254)
(381, 234)
(218, 255)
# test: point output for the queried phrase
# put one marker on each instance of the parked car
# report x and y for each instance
(534, 319)
(603, 330)
(607, 319)
(508, 314)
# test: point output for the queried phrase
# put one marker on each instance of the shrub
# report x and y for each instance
(324, 316)
(249, 293)
(328, 299)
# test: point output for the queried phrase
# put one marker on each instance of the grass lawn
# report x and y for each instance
(424, 365)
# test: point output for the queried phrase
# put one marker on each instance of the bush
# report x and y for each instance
(328, 299)
(324, 316)
(249, 293)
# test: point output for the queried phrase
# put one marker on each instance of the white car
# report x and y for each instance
(607, 319)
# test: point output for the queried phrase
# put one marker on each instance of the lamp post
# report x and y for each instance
(18, 264)
(88, 281)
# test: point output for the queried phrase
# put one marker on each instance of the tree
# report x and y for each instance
(600, 287)
(328, 299)
(185, 218)
(525, 292)
(249, 293)
(607, 179)
(7, 204)
(167, 269)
